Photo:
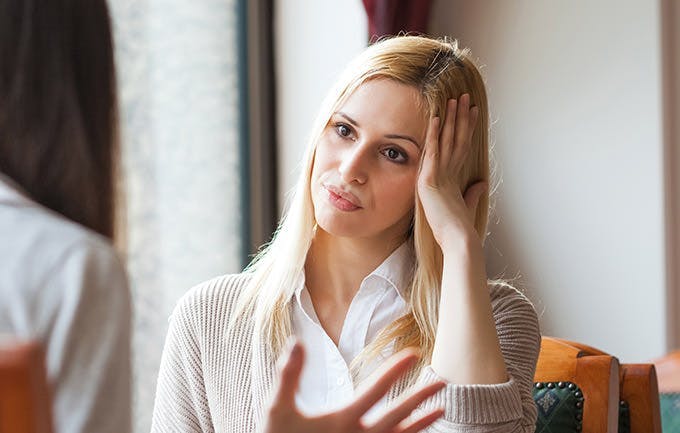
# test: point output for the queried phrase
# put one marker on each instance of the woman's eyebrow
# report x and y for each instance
(349, 119)
(392, 136)
(403, 137)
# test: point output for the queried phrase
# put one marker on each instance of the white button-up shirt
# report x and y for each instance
(326, 382)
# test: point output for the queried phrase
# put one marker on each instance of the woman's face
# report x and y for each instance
(366, 164)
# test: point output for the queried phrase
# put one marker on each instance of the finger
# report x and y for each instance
(472, 196)
(446, 143)
(474, 117)
(461, 144)
(402, 410)
(428, 163)
(421, 423)
(289, 376)
(395, 367)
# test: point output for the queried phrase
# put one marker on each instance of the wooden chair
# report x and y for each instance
(638, 393)
(595, 375)
(24, 397)
(668, 372)
(640, 396)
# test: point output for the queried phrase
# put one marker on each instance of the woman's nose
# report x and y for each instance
(354, 164)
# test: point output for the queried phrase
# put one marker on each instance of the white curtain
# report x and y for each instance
(178, 93)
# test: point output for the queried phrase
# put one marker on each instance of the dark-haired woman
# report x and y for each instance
(61, 282)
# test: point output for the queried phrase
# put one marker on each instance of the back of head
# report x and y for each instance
(58, 138)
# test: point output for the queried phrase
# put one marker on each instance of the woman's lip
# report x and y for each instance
(341, 202)
(345, 195)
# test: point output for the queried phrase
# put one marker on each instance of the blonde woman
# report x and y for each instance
(380, 250)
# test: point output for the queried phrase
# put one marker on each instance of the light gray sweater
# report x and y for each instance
(214, 378)
(63, 285)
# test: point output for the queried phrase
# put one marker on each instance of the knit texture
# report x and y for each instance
(218, 379)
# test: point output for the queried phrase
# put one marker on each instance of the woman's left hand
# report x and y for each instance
(283, 415)
(449, 212)
(467, 348)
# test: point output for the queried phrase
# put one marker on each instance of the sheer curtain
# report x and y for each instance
(179, 84)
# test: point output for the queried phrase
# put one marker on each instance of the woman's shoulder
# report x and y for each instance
(512, 309)
(506, 295)
(44, 240)
(211, 301)
(65, 259)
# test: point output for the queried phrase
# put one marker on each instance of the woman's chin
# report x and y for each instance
(340, 229)
(356, 224)
(341, 224)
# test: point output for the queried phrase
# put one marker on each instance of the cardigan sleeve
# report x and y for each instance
(507, 407)
(181, 403)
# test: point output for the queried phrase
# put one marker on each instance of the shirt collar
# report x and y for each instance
(396, 270)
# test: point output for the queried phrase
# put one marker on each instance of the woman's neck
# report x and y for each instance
(336, 266)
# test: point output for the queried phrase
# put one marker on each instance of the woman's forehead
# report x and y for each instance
(387, 104)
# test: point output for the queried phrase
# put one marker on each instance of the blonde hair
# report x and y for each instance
(440, 71)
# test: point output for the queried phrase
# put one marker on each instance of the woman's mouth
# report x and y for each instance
(340, 202)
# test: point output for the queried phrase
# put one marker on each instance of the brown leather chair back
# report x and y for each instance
(24, 396)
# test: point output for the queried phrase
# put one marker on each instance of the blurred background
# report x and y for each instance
(217, 98)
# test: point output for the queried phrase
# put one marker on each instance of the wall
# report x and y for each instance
(314, 41)
(575, 91)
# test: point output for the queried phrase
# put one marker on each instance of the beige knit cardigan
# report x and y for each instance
(214, 378)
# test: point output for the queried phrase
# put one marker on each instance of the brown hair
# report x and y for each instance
(58, 115)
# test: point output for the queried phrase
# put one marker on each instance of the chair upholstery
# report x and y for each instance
(595, 378)
(670, 412)
(560, 407)
(24, 398)
(668, 372)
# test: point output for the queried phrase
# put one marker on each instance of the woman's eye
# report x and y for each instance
(343, 130)
(394, 155)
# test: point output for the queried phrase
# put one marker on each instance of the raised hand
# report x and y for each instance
(284, 417)
(449, 212)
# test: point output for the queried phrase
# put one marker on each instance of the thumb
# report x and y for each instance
(289, 376)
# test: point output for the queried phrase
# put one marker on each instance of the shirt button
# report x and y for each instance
(340, 381)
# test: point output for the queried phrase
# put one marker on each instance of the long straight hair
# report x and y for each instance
(58, 115)
(439, 70)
